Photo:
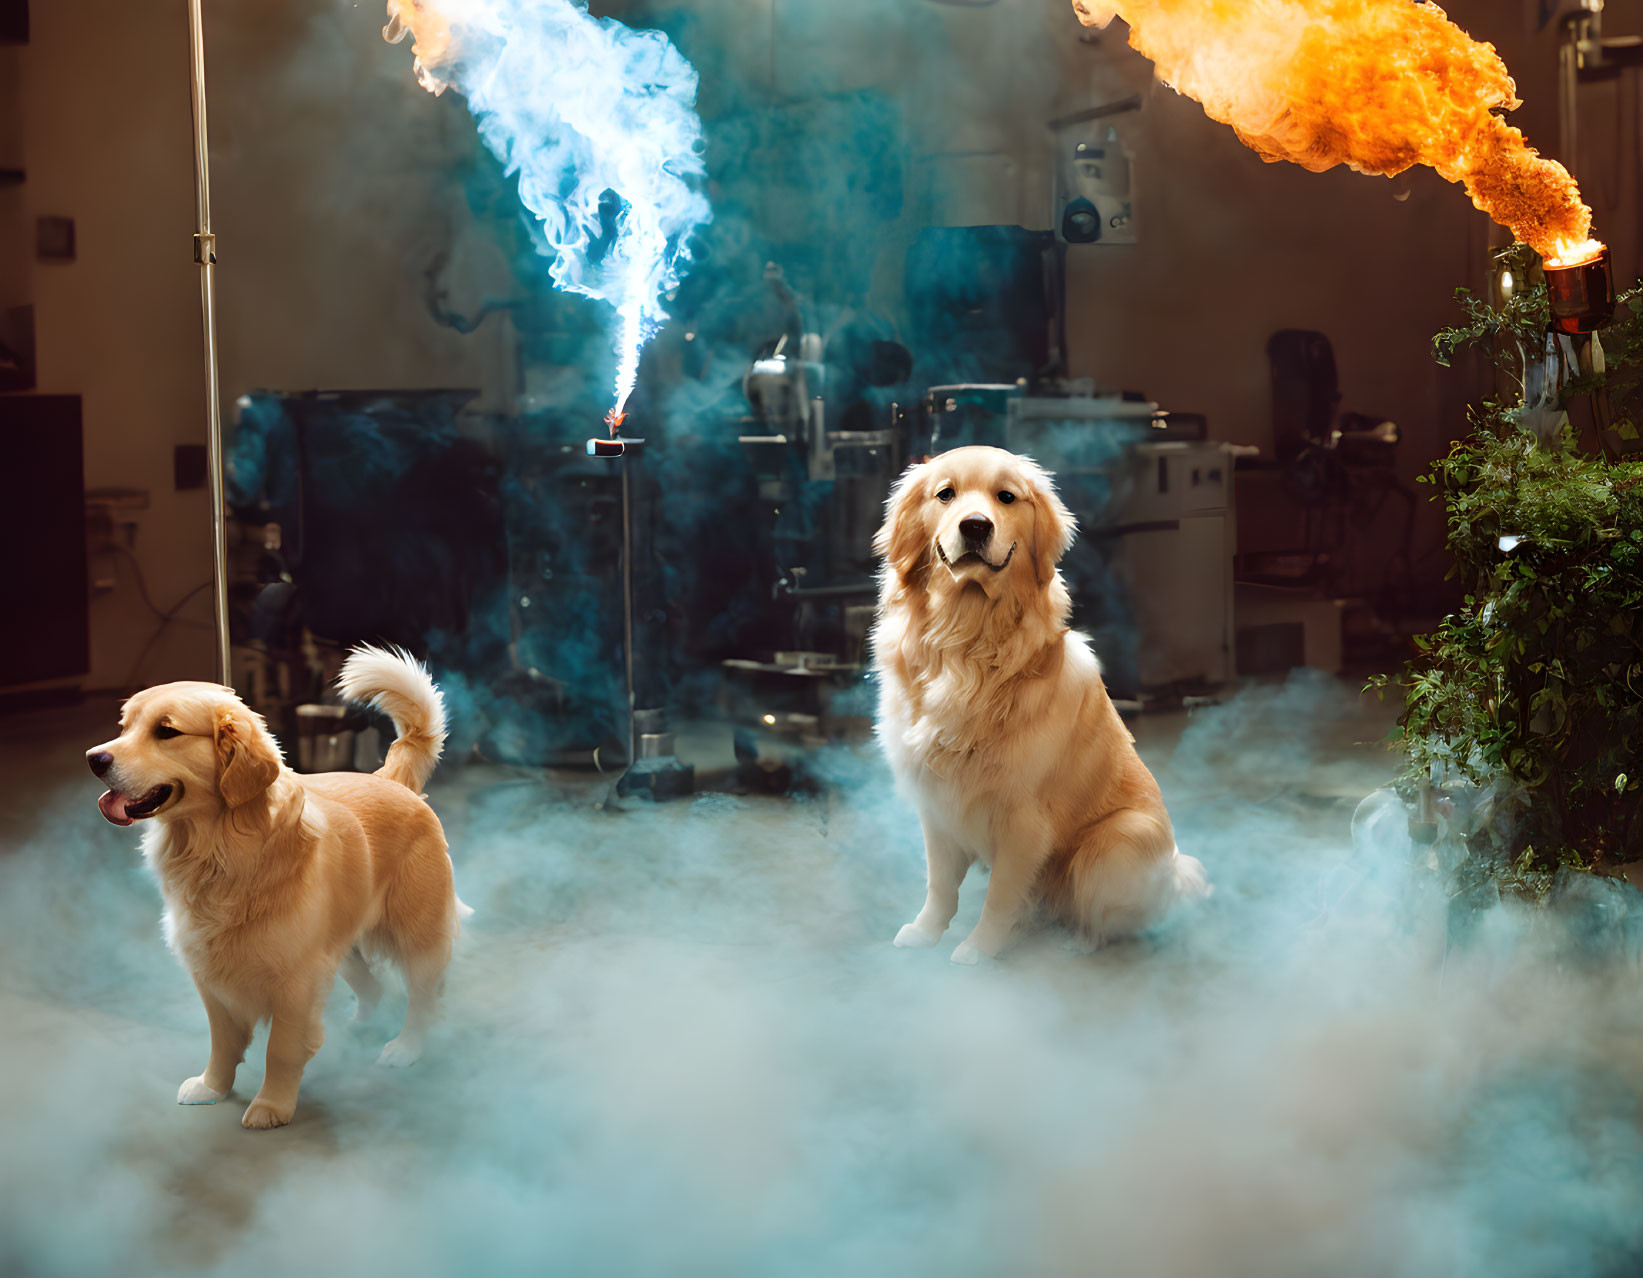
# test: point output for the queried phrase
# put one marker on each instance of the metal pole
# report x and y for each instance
(627, 464)
(205, 253)
(1568, 88)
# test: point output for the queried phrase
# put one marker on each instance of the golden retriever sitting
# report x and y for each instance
(272, 881)
(995, 718)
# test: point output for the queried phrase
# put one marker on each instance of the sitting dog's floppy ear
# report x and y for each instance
(904, 541)
(1053, 525)
(247, 763)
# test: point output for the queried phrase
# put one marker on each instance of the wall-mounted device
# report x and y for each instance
(1092, 200)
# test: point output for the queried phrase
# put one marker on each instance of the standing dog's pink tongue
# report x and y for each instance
(113, 806)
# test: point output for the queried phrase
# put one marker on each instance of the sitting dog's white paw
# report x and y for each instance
(262, 1114)
(913, 937)
(195, 1092)
(399, 1054)
(969, 953)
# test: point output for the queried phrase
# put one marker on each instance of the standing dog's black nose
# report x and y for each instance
(975, 529)
(100, 762)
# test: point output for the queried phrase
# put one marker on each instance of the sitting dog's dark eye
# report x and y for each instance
(165, 732)
(946, 494)
(1006, 497)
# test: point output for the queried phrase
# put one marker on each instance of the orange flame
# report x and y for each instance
(1377, 85)
(614, 420)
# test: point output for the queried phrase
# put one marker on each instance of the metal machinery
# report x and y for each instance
(1151, 574)
(526, 571)
(1151, 571)
(824, 490)
(1152, 577)
(571, 603)
(1585, 56)
(724, 565)
(318, 561)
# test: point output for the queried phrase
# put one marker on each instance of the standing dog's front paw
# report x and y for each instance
(264, 1114)
(194, 1091)
(914, 937)
(969, 953)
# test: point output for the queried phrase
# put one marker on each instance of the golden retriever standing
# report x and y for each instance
(272, 881)
(995, 718)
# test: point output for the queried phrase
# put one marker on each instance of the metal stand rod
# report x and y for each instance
(205, 253)
(1568, 86)
(628, 463)
(653, 765)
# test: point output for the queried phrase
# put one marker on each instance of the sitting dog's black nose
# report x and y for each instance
(100, 762)
(975, 530)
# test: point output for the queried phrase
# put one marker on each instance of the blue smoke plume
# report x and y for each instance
(598, 121)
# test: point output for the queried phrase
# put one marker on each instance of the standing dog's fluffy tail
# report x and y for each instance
(393, 681)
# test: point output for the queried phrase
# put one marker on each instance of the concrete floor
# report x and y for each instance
(677, 1040)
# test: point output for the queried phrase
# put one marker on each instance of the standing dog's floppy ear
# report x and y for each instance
(247, 763)
(1053, 524)
(904, 541)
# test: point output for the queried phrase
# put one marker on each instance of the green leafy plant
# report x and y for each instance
(1530, 697)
